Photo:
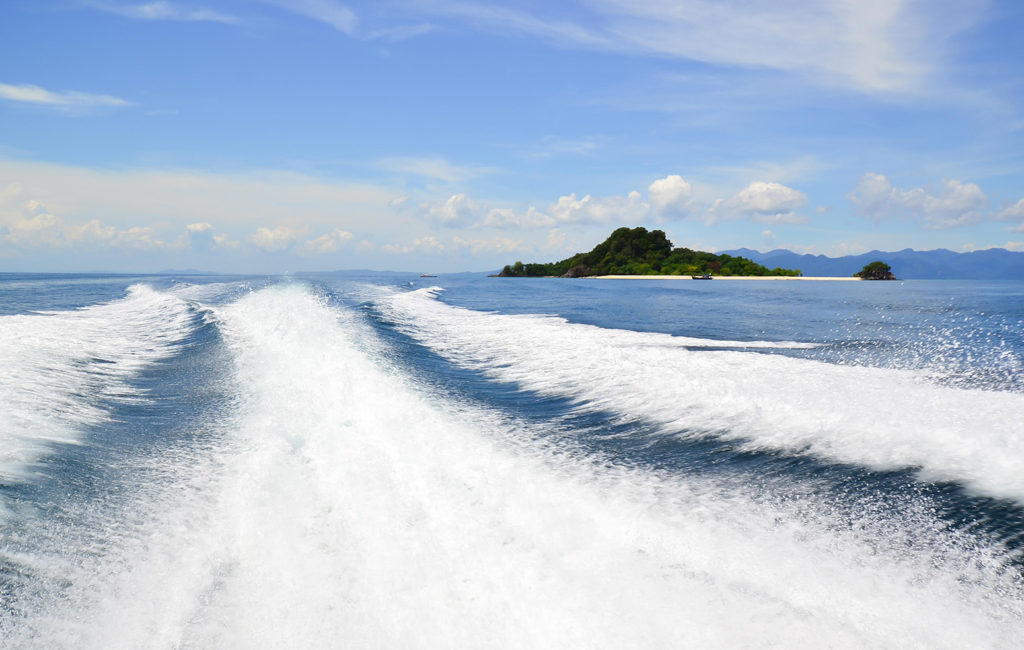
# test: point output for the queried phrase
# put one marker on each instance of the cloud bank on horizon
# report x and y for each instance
(250, 136)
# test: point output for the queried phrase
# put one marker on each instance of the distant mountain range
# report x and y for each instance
(907, 264)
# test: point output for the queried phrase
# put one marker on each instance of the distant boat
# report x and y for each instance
(427, 275)
(706, 276)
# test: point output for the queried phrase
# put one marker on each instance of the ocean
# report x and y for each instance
(387, 461)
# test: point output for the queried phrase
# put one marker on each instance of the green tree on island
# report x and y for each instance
(876, 270)
(637, 251)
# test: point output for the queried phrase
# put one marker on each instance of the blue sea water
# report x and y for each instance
(384, 460)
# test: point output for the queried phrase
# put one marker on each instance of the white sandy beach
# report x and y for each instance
(725, 277)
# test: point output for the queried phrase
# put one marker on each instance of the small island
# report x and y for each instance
(637, 251)
(876, 270)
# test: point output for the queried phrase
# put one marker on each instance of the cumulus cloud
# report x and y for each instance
(458, 211)
(771, 203)
(31, 225)
(671, 196)
(1013, 212)
(428, 244)
(329, 242)
(199, 237)
(67, 99)
(461, 211)
(274, 240)
(955, 204)
(603, 210)
(225, 241)
(508, 218)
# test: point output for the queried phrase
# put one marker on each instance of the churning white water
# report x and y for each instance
(879, 418)
(56, 366)
(346, 507)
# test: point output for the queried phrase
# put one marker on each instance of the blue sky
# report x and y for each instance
(268, 135)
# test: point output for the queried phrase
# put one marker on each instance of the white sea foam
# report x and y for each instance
(57, 368)
(879, 418)
(347, 509)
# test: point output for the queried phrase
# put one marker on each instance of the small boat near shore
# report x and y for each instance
(706, 276)
(427, 275)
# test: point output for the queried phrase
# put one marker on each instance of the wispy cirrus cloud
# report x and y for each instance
(66, 99)
(400, 32)
(163, 10)
(869, 45)
(433, 168)
(331, 12)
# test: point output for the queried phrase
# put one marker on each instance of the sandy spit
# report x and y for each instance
(723, 277)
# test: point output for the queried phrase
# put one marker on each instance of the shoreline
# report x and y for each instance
(725, 277)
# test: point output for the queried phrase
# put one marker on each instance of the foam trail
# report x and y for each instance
(880, 418)
(56, 368)
(349, 510)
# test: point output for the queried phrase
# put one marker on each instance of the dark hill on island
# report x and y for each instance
(638, 251)
(941, 264)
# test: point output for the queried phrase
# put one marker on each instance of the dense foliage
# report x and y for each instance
(638, 251)
(877, 270)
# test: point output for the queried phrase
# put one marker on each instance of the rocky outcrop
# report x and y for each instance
(578, 271)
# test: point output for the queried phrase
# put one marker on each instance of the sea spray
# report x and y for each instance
(58, 367)
(876, 417)
(345, 506)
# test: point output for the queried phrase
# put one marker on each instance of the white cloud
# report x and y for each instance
(162, 11)
(551, 146)
(508, 218)
(771, 203)
(225, 241)
(671, 196)
(556, 240)
(30, 225)
(492, 245)
(956, 204)
(461, 211)
(1013, 212)
(329, 242)
(458, 211)
(62, 99)
(869, 45)
(430, 245)
(274, 240)
(330, 12)
(603, 210)
(228, 200)
(401, 32)
(433, 168)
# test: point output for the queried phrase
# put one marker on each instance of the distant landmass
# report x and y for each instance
(941, 264)
(637, 251)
